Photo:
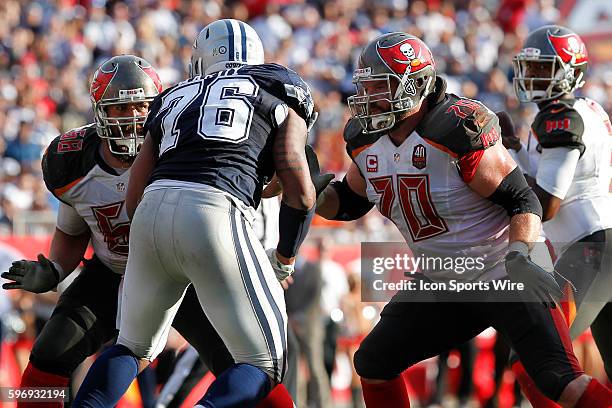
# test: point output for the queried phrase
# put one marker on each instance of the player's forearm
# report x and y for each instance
(291, 164)
(139, 176)
(525, 227)
(345, 200)
(298, 191)
(68, 250)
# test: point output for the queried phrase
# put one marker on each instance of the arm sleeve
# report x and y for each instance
(69, 221)
(556, 170)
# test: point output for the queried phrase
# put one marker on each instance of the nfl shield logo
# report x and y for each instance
(419, 157)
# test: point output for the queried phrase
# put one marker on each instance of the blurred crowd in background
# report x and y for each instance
(49, 50)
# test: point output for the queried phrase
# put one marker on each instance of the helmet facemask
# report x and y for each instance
(125, 135)
(195, 67)
(382, 100)
(551, 79)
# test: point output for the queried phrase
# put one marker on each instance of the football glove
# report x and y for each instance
(282, 271)
(509, 138)
(542, 283)
(319, 180)
(34, 276)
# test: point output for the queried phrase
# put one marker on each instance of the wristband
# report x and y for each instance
(293, 225)
(59, 271)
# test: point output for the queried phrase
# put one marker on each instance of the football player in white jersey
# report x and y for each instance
(432, 163)
(567, 159)
(88, 170)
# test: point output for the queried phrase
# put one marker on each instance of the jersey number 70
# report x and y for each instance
(417, 208)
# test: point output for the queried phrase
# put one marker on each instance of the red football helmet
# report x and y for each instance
(552, 62)
(120, 80)
(396, 70)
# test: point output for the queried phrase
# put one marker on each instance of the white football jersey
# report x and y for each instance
(99, 198)
(75, 172)
(419, 188)
(586, 206)
(265, 223)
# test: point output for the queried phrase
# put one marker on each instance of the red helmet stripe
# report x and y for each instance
(100, 82)
(151, 73)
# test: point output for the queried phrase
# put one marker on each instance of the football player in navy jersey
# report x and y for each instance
(567, 160)
(433, 164)
(212, 142)
(88, 170)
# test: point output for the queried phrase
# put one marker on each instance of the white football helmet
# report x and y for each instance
(225, 44)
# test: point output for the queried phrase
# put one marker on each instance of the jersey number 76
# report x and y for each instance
(225, 112)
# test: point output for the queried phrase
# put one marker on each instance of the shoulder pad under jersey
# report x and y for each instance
(559, 125)
(153, 117)
(460, 125)
(356, 140)
(69, 158)
(286, 85)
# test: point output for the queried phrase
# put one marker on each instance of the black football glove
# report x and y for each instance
(319, 180)
(34, 276)
(543, 284)
(509, 138)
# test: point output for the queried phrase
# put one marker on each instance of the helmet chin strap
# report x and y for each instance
(579, 81)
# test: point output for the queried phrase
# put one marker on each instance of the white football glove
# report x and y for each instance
(281, 270)
(34, 276)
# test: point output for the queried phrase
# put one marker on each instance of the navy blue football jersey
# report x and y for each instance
(219, 129)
